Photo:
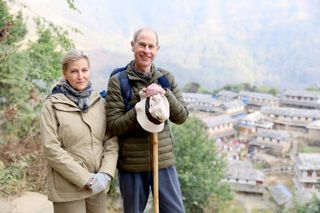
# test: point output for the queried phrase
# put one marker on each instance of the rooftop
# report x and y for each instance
(227, 93)
(309, 160)
(217, 120)
(243, 170)
(301, 93)
(314, 125)
(275, 134)
(257, 95)
(291, 111)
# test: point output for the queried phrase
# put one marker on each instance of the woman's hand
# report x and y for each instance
(99, 182)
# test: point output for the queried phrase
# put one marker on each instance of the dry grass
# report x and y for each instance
(24, 166)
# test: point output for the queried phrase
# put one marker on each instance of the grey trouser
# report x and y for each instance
(135, 188)
(94, 204)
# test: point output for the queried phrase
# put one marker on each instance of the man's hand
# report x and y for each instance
(154, 89)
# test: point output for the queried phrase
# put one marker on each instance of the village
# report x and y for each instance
(271, 143)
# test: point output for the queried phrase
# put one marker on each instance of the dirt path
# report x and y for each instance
(28, 202)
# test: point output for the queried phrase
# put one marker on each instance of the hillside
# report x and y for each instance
(211, 42)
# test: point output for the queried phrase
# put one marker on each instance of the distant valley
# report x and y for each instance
(273, 43)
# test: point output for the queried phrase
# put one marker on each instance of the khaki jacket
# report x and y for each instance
(75, 144)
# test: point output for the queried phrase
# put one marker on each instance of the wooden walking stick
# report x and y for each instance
(155, 172)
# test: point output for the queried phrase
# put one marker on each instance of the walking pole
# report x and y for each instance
(155, 172)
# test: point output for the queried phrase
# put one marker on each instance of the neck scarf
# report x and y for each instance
(81, 99)
(143, 75)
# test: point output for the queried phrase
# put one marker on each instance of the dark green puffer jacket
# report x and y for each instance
(134, 142)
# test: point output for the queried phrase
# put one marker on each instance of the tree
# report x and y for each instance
(191, 87)
(200, 168)
(27, 71)
(313, 88)
(235, 87)
(247, 87)
(28, 68)
(312, 206)
(273, 91)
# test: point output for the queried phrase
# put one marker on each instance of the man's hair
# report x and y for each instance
(71, 56)
(137, 33)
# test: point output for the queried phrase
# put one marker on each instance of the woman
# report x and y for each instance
(81, 157)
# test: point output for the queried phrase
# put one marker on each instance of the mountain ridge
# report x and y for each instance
(210, 42)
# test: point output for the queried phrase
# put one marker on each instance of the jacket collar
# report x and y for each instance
(133, 76)
(62, 102)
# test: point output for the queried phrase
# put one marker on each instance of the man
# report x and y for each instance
(134, 163)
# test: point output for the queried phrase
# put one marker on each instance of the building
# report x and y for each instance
(233, 108)
(249, 124)
(242, 177)
(300, 99)
(200, 102)
(307, 169)
(291, 118)
(313, 133)
(255, 101)
(219, 127)
(282, 196)
(275, 142)
(225, 95)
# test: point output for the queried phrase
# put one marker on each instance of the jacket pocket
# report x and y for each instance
(62, 184)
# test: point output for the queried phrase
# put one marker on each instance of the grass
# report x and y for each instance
(260, 165)
(310, 149)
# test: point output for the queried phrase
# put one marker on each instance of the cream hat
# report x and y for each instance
(152, 112)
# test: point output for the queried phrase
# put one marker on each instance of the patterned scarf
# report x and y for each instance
(81, 99)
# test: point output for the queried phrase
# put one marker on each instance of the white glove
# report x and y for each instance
(102, 180)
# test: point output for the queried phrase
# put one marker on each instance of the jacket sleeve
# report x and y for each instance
(110, 155)
(57, 157)
(178, 110)
(118, 120)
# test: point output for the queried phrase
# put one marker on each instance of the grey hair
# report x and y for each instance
(137, 33)
(71, 56)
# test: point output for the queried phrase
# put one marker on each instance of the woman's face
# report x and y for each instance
(78, 74)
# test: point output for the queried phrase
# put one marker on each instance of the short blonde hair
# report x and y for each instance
(71, 56)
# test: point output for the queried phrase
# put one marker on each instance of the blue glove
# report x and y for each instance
(102, 180)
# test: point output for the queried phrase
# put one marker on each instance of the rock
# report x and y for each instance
(31, 202)
(5, 206)
(2, 166)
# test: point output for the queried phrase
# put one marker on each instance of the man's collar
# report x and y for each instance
(141, 73)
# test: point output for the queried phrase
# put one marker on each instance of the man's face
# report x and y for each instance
(145, 49)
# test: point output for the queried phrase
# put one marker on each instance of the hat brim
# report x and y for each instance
(143, 120)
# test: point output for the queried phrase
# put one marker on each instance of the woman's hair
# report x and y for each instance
(71, 56)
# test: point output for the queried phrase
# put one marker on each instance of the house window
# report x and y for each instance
(308, 185)
(309, 173)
